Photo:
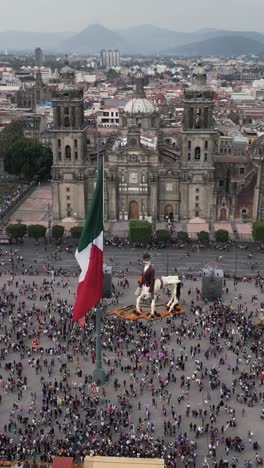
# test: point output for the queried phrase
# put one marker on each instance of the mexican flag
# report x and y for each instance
(89, 255)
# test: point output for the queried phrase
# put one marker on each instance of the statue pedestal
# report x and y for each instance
(122, 462)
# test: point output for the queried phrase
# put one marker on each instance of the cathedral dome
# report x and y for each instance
(139, 106)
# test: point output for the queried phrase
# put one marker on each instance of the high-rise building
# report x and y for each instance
(39, 57)
(116, 58)
(109, 58)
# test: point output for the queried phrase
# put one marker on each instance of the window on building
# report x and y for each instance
(196, 205)
(66, 122)
(68, 197)
(205, 156)
(59, 142)
(59, 155)
(66, 111)
(68, 205)
(241, 170)
(67, 152)
(197, 214)
(68, 189)
(76, 143)
(189, 144)
(221, 183)
(189, 156)
(197, 190)
(197, 198)
(76, 155)
(197, 153)
(229, 150)
(206, 145)
(59, 116)
(73, 116)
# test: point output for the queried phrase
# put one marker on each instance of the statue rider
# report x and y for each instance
(147, 282)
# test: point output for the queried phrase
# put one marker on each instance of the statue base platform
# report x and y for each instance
(129, 312)
(260, 325)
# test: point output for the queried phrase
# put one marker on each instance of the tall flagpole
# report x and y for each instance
(99, 376)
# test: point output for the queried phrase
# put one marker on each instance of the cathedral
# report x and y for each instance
(146, 174)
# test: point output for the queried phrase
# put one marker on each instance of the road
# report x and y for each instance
(166, 261)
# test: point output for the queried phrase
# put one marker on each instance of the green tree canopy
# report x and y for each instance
(57, 232)
(140, 231)
(111, 74)
(36, 231)
(163, 235)
(221, 235)
(76, 232)
(28, 158)
(16, 231)
(8, 136)
(258, 231)
(203, 236)
(182, 236)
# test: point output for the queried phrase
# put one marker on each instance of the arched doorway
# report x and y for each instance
(223, 214)
(133, 210)
(168, 212)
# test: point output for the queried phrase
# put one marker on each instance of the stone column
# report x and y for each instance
(112, 202)
(153, 208)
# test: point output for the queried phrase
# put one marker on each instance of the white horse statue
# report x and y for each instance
(165, 281)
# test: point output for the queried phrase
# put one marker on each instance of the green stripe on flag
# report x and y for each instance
(94, 223)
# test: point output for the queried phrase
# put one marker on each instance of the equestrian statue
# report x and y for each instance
(149, 287)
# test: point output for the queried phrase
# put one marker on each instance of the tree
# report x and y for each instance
(76, 232)
(16, 231)
(258, 231)
(28, 158)
(57, 232)
(111, 74)
(36, 231)
(8, 136)
(203, 236)
(140, 231)
(221, 235)
(182, 236)
(163, 235)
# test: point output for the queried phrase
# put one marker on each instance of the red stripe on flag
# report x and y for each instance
(90, 290)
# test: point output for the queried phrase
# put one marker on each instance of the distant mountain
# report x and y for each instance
(143, 39)
(229, 45)
(20, 40)
(149, 39)
(92, 39)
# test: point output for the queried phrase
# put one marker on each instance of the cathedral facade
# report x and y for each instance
(145, 177)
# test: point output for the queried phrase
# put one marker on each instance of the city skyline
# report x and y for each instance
(48, 16)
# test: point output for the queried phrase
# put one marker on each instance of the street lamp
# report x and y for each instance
(259, 208)
(12, 262)
(236, 260)
(49, 223)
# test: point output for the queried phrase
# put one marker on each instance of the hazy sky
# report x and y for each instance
(180, 15)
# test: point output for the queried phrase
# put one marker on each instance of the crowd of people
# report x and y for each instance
(187, 389)
(9, 201)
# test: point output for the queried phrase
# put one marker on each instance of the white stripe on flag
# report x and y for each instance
(83, 257)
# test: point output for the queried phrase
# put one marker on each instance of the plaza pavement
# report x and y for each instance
(250, 421)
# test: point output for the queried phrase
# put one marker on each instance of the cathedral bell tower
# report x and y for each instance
(140, 91)
(69, 149)
(198, 142)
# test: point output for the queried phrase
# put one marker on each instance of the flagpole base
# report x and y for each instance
(99, 376)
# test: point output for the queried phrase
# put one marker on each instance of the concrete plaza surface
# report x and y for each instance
(118, 353)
